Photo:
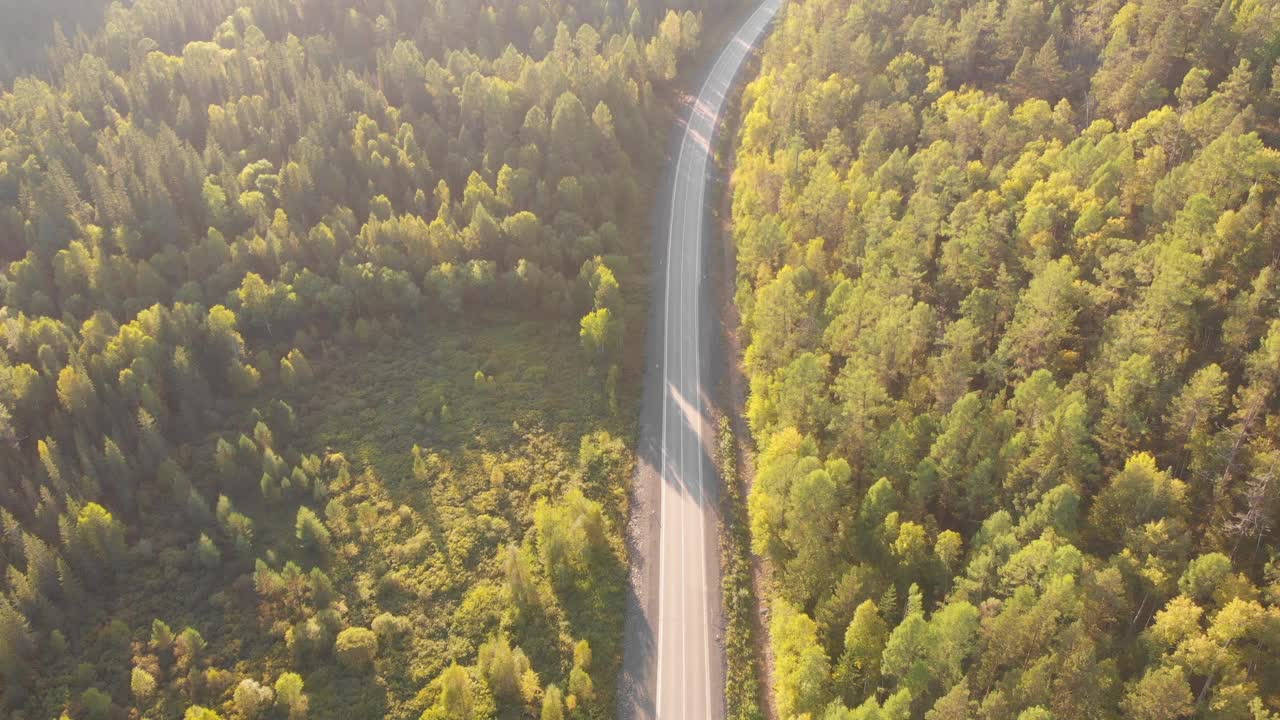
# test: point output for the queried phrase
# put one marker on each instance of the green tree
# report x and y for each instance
(310, 531)
(1129, 412)
(1043, 331)
(1204, 575)
(1139, 494)
(96, 703)
(803, 674)
(552, 704)
(356, 648)
(456, 697)
(16, 642)
(503, 668)
(601, 335)
(781, 323)
(1161, 694)
(858, 671)
(290, 697)
(143, 686)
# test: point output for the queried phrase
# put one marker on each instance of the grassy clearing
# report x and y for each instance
(499, 412)
(376, 406)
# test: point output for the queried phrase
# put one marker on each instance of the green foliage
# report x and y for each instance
(310, 531)
(390, 628)
(803, 668)
(1004, 273)
(457, 697)
(1161, 694)
(16, 642)
(96, 704)
(858, 672)
(143, 685)
(1204, 575)
(289, 696)
(356, 648)
(206, 553)
(601, 336)
(742, 690)
(161, 636)
(211, 211)
(552, 704)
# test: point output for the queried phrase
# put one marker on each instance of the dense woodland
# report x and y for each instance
(1009, 274)
(312, 359)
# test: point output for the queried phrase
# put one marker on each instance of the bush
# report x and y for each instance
(356, 648)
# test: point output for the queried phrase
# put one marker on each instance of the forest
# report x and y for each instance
(317, 362)
(1008, 271)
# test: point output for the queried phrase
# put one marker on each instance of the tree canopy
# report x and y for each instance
(212, 210)
(1007, 274)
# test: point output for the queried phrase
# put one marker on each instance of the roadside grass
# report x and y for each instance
(742, 684)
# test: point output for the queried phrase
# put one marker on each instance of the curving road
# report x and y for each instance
(674, 664)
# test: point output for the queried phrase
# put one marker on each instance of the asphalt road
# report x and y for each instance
(674, 666)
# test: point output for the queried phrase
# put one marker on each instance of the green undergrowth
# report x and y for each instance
(742, 683)
(471, 430)
(484, 388)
